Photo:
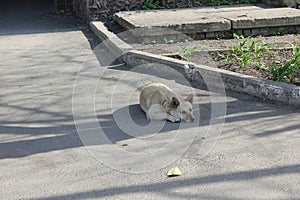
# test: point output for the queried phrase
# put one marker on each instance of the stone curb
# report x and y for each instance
(114, 44)
(266, 89)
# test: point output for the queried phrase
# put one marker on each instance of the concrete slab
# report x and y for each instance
(275, 17)
(211, 20)
(182, 19)
(179, 21)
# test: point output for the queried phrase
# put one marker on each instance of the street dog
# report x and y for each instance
(160, 103)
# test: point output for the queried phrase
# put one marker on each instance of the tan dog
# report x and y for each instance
(159, 103)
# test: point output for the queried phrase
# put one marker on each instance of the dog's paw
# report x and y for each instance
(173, 119)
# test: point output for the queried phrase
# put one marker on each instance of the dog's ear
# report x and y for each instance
(175, 102)
(190, 98)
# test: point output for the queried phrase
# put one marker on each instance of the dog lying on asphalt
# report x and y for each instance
(160, 103)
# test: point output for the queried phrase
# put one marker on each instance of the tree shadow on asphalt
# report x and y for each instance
(33, 136)
(36, 17)
(60, 132)
(33, 16)
(165, 188)
(37, 138)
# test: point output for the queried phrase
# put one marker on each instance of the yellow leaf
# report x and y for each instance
(174, 172)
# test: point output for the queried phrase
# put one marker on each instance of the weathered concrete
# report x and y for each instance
(113, 43)
(186, 20)
(275, 17)
(212, 22)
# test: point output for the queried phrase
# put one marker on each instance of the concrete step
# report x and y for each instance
(210, 22)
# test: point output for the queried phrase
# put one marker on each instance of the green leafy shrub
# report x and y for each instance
(150, 4)
(187, 52)
(249, 51)
(288, 71)
(246, 52)
(281, 31)
(230, 2)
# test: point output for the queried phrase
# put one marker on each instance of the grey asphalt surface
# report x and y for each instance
(53, 89)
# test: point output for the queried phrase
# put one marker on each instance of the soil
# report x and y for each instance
(209, 50)
(280, 56)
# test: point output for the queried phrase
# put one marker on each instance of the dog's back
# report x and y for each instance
(160, 102)
(156, 93)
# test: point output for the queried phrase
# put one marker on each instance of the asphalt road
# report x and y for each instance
(71, 128)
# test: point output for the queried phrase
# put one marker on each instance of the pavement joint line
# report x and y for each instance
(265, 89)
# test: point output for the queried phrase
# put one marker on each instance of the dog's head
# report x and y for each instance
(183, 109)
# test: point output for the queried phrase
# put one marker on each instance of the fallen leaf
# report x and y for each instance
(174, 172)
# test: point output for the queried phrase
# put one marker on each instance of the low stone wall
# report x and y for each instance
(288, 3)
(273, 3)
(268, 31)
(104, 9)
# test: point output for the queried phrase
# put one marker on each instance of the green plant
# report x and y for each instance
(150, 4)
(246, 52)
(259, 51)
(187, 52)
(230, 2)
(168, 41)
(189, 5)
(221, 2)
(248, 1)
(281, 31)
(153, 42)
(288, 71)
(249, 51)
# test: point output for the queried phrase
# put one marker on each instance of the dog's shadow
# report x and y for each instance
(129, 122)
(140, 119)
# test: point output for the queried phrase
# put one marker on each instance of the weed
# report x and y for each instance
(168, 41)
(248, 1)
(230, 2)
(246, 51)
(189, 5)
(221, 2)
(236, 36)
(150, 5)
(187, 52)
(288, 71)
(281, 31)
(153, 41)
(249, 51)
